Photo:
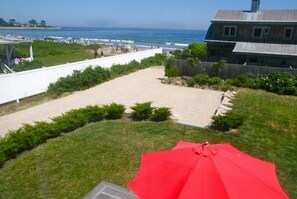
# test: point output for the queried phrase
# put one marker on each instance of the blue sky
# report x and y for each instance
(179, 14)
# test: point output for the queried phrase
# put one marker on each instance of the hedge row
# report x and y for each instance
(81, 80)
(30, 136)
(277, 82)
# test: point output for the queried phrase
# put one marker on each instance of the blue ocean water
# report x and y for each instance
(148, 36)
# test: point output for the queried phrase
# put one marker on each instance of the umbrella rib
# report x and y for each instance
(220, 176)
(254, 176)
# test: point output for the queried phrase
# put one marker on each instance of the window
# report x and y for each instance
(266, 30)
(230, 31)
(212, 53)
(257, 33)
(288, 33)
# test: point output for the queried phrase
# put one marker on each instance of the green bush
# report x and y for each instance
(142, 111)
(218, 66)
(280, 83)
(27, 66)
(215, 81)
(80, 80)
(161, 114)
(93, 113)
(243, 81)
(193, 61)
(230, 120)
(171, 69)
(114, 111)
(70, 121)
(191, 82)
(197, 49)
(201, 79)
(94, 76)
(30, 136)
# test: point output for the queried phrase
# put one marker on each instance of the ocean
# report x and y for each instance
(139, 36)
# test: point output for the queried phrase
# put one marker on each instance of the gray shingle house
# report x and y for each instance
(257, 37)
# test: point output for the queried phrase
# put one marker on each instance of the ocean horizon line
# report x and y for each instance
(140, 28)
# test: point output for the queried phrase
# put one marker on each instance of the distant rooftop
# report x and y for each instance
(13, 40)
(261, 16)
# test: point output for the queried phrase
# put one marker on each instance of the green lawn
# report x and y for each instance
(71, 165)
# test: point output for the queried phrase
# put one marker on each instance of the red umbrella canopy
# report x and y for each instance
(203, 171)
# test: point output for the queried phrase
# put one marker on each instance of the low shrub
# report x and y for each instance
(171, 68)
(230, 120)
(30, 136)
(193, 61)
(70, 121)
(161, 114)
(156, 60)
(114, 111)
(142, 111)
(243, 81)
(94, 113)
(201, 79)
(191, 82)
(81, 80)
(27, 66)
(215, 81)
(280, 83)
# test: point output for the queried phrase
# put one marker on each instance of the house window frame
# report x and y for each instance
(292, 31)
(262, 30)
(229, 32)
(266, 30)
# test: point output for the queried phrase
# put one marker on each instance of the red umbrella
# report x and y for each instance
(205, 171)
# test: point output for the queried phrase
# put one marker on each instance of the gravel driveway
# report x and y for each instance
(189, 105)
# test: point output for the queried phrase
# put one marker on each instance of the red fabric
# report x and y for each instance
(206, 172)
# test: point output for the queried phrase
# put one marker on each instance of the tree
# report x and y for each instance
(32, 22)
(3, 22)
(197, 49)
(12, 22)
(42, 23)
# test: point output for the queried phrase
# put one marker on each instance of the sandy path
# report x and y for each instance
(189, 105)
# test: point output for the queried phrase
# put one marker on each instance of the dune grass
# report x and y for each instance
(71, 165)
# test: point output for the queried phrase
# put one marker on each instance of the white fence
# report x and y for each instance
(20, 85)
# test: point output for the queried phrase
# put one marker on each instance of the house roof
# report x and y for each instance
(265, 49)
(5, 40)
(261, 16)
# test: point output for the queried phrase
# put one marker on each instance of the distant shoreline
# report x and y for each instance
(31, 28)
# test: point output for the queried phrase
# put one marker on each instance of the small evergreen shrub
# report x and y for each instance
(243, 81)
(172, 71)
(201, 79)
(191, 82)
(215, 81)
(94, 113)
(114, 111)
(30, 136)
(161, 114)
(230, 120)
(171, 68)
(70, 121)
(142, 111)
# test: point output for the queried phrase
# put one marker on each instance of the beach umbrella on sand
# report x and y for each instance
(201, 171)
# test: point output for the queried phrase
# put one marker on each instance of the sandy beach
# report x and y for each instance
(189, 105)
